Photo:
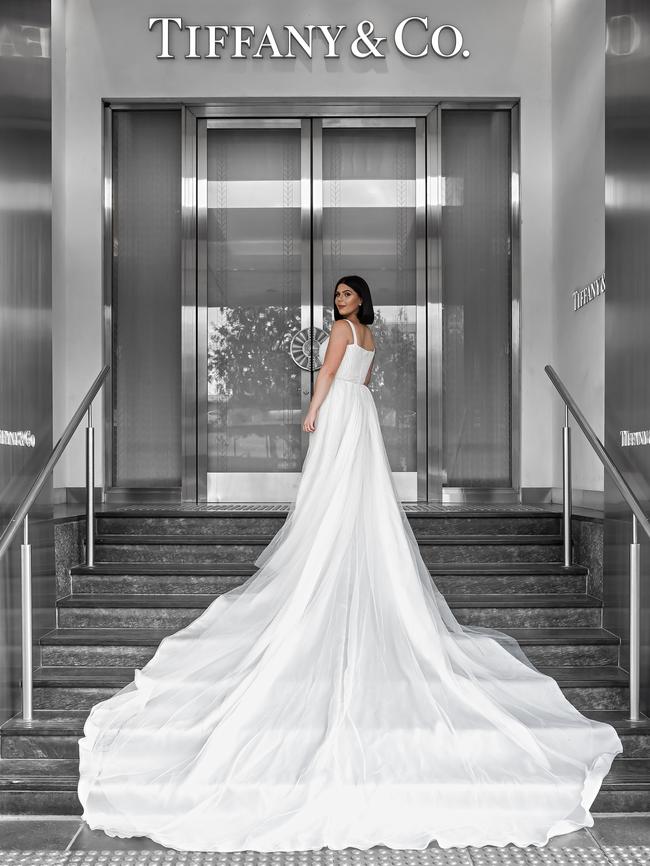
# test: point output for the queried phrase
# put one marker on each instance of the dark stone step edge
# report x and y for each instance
(606, 676)
(199, 601)
(245, 568)
(616, 780)
(118, 637)
(439, 540)
(73, 727)
(454, 511)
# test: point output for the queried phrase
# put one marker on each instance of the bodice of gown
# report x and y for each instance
(354, 364)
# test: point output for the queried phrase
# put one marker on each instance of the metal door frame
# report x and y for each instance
(429, 327)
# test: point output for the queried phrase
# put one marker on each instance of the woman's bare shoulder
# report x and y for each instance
(340, 326)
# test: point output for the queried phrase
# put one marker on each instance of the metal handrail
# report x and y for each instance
(21, 515)
(639, 518)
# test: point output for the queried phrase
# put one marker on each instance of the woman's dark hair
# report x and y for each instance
(366, 314)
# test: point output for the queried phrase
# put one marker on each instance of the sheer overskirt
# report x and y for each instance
(334, 700)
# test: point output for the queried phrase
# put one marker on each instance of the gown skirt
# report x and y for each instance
(333, 699)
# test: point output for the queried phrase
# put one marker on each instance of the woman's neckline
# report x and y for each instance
(363, 349)
(358, 345)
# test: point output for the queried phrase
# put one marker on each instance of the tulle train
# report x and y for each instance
(334, 700)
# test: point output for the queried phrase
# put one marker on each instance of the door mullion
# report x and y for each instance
(421, 302)
(201, 309)
(316, 221)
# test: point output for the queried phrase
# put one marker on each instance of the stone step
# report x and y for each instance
(242, 548)
(62, 687)
(46, 787)
(55, 734)
(50, 734)
(165, 578)
(626, 788)
(134, 647)
(49, 786)
(174, 611)
(39, 787)
(224, 521)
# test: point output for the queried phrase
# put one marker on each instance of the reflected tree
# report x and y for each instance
(251, 378)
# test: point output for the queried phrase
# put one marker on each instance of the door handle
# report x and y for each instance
(303, 348)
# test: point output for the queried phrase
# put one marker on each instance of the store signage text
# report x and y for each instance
(413, 37)
(588, 293)
(21, 438)
(641, 437)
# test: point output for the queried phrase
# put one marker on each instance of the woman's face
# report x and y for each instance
(346, 299)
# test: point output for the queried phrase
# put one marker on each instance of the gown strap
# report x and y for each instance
(354, 332)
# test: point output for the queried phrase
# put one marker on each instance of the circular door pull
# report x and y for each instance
(304, 348)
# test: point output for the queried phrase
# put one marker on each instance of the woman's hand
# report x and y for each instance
(309, 424)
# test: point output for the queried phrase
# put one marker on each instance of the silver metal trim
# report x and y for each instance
(305, 265)
(201, 372)
(369, 122)
(26, 614)
(463, 495)
(313, 107)
(317, 298)
(189, 453)
(435, 469)
(566, 488)
(421, 306)
(90, 490)
(107, 293)
(515, 297)
(478, 104)
(274, 123)
(635, 624)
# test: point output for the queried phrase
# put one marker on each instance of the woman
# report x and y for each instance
(333, 699)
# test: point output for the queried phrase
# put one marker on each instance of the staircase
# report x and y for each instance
(157, 570)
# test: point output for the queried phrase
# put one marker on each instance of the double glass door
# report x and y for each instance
(285, 208)
(225, 237)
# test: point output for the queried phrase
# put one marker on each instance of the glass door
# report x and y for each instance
(254, 259)
(422, 208)
(370, 191)
(285, 208)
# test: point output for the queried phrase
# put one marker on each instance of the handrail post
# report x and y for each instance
(90, 490)
(635, 633)
(566, 481)
(26, 604)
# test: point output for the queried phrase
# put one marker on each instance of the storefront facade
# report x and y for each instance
(241, 167)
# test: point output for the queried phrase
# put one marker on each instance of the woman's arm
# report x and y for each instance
(338, 341)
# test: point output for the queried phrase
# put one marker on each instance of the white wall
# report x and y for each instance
(109, 53)
(578, 96)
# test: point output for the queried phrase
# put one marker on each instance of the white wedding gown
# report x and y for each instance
(334, 700)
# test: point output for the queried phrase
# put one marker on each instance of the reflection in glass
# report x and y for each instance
(476, 293)
(369, 229)
(254, 268)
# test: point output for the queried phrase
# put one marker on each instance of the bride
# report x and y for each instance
(333, 699)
